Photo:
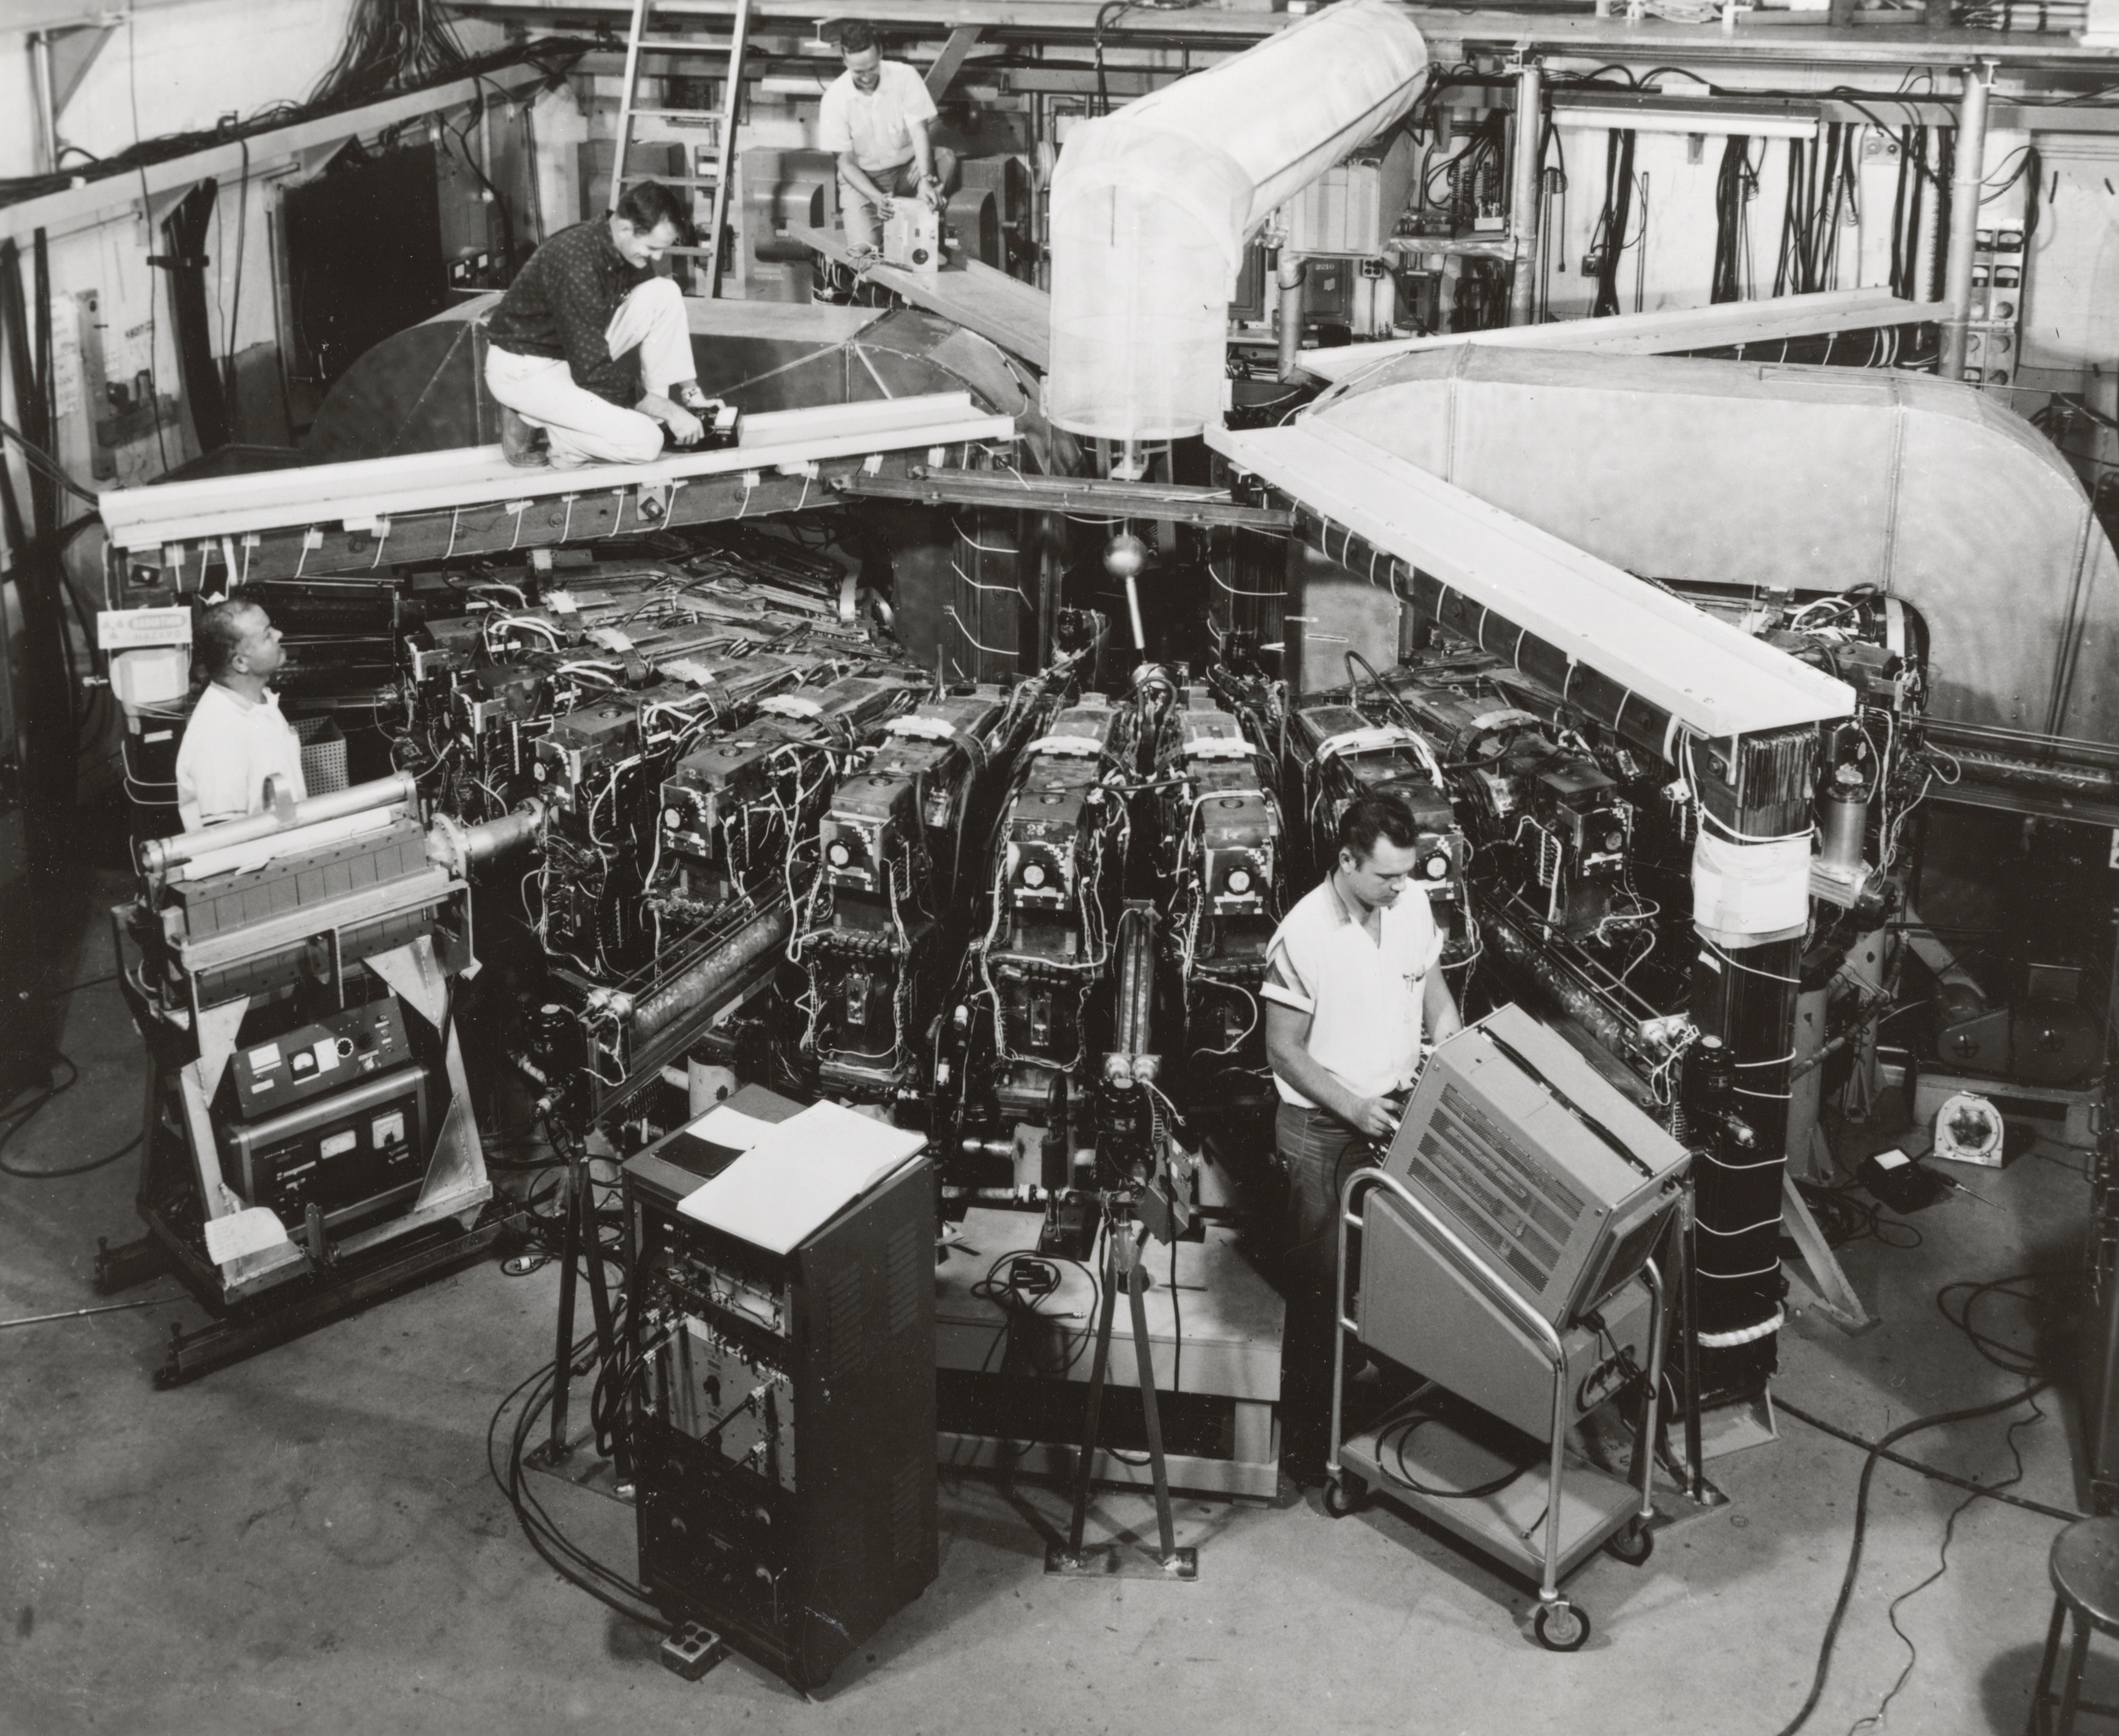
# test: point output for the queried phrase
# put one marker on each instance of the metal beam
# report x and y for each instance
(1966, 177)
(1452, 34)
(1597, 628)
(940, 75)
(368, 495)
(1018, 493)
(502, 528)
(115, 195)
(1665, 333)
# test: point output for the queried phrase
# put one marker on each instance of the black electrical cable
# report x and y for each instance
(1841, 1218)
(1945, 209)
(390, 46)
(21, 1116)
(1477, 1492)
(1610, 239)
(567, 1559)
(43, 462)
(1877, 1451)
(2003, 1356)
(1736, 185)
(1942, 1567)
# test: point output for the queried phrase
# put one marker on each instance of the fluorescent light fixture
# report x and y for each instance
(1648, 112)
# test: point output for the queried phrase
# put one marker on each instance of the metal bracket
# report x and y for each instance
(1838, 1301)
(61, 59)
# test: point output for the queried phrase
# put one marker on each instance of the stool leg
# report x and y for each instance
(2042, 1689)
(2077, 1657)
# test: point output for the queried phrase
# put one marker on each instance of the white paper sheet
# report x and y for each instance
(250, 1231)
(800, 1174)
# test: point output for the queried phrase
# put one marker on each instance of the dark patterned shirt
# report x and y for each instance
(561, 303)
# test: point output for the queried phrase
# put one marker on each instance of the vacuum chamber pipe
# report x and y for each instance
(459, 848)
(694, 988)
(1526, 196)
(158, 855)
(1967, 172)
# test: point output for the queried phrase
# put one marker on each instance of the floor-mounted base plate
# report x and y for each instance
(581, 1465)
(1121, 1560)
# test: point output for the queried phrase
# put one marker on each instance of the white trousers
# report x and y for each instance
(581, 427)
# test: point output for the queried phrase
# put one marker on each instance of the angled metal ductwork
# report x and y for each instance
(1153, 207)
(1778, 476)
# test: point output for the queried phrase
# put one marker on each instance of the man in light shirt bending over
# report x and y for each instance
(236, 737)
(874, 119)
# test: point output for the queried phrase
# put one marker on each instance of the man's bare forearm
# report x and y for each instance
(1443, 1020)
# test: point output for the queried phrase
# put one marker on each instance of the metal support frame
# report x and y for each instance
(1967, 170)
(962, 39)
(1177, 503)
(578, 1238)
(1289, 269)
(1527, 198)
(60, 59)
(1838, 1301)
(1123, 1265)
(1530, 1324)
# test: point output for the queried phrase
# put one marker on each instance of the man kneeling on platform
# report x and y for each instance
(592, 349)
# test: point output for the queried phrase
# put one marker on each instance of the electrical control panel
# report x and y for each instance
(279, 1072)
(351, 1154)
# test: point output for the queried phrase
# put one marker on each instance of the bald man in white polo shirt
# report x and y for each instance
(1352, 985)
(235, 738)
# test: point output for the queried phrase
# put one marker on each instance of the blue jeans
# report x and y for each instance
(1317, 1151)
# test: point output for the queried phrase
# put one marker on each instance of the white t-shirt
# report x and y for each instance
(1364, 997)
(872, 124)
(230, 749)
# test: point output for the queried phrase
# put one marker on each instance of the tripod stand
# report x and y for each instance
(1123, 1266)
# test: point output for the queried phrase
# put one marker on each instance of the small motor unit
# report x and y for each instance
(720, 420)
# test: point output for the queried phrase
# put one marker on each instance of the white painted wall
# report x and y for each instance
(178, 68)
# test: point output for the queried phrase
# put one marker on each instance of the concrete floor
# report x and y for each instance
(310, 1540)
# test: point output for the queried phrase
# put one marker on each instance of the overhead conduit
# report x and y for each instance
(1153, 207)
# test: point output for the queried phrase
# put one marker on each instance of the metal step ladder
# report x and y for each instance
(641, 40)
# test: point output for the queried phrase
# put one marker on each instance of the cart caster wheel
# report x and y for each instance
(1561, 1627)
(1632, 1546)
(1342, 1495)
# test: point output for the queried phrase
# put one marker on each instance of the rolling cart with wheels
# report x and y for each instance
(1445, 1452)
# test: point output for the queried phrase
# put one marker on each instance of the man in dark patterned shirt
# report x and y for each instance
(590, 346)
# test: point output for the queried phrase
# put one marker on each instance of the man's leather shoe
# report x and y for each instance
(520, 444)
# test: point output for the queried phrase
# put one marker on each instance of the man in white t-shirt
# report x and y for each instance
(236, 738)
(1353, 984)
(874, 119)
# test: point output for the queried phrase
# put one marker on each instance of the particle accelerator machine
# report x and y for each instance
(818, 888)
